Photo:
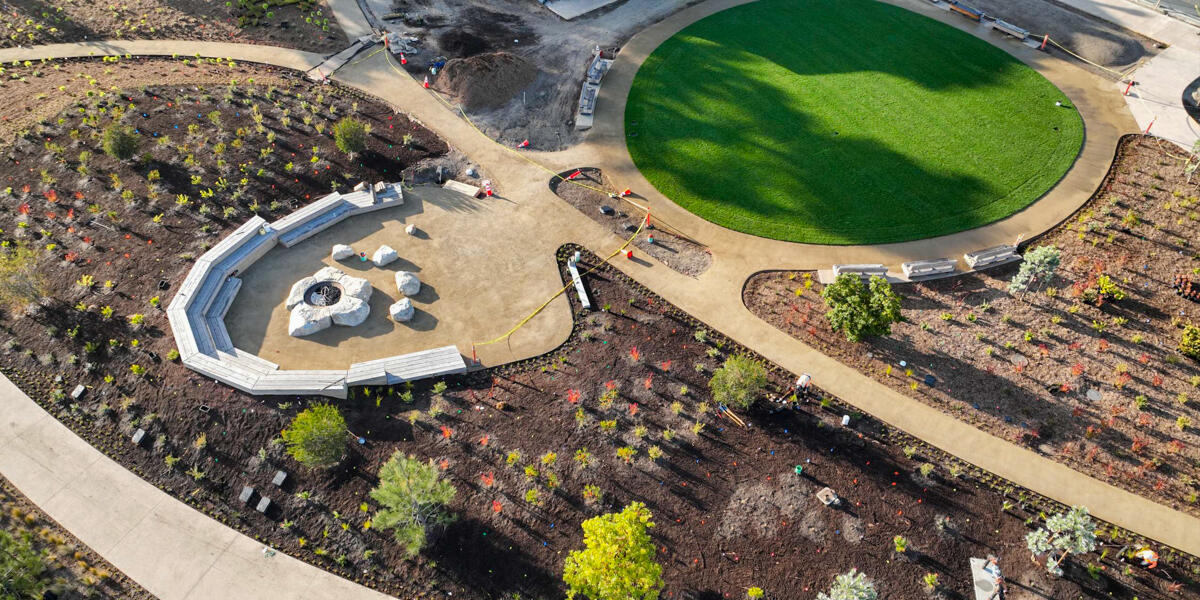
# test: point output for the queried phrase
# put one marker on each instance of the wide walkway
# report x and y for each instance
(177, 553)
(172, 550)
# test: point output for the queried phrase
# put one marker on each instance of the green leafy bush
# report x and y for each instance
(1189, 342)
(618, 559)
(350, 135)
(861, 310)
(317, 436)
(738, 382)
(119, 142)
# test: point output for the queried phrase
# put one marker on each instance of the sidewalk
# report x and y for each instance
(172, 550)
(1156, 100)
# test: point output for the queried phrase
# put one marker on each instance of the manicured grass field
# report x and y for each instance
(845, 122)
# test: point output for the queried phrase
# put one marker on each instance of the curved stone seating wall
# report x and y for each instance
(197, 312)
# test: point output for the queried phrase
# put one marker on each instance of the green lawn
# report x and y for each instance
(845, 122)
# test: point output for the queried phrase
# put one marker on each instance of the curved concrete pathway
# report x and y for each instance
(172, 550)
(42, 457)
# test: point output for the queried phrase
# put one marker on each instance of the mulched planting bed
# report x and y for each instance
(306, 25)
(1023, 367)
(731, 511)
(72, 570)
(594, 191)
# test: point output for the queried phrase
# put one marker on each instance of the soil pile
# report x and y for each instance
(487, 80)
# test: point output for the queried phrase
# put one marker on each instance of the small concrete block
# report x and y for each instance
(279, 478)
(247, 492)
(138, 436)
(264, 503)
(78, 392)
(828, 497)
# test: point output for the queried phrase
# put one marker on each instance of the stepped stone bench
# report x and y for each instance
(197, 312)
(918, 269)
(991, 257)
(863, 271)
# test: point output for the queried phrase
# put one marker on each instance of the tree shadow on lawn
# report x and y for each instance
(876, 192)
(494, 562)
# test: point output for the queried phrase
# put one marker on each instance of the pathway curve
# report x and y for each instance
(156, 540)
(171, 549)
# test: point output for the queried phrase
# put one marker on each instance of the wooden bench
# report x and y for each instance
(928, 268)
(407, 367)
(863, 271)
(990, 257)
(966, 11)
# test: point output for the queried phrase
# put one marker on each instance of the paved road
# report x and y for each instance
(159, 541)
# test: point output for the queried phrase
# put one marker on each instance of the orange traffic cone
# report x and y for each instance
(524, 144)
(426, 84)
(403, 61)
(627, 192)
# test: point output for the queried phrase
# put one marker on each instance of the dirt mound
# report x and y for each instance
(461, 43)
(486, 80)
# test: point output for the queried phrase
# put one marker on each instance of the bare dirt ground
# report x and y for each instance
(33, 22)
(595, 191)
(1096, 40)
(542, 111)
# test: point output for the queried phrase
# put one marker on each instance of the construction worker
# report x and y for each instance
(992, 567)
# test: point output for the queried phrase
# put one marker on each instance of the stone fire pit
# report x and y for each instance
(328, 297)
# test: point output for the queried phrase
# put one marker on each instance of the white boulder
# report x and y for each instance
(355, 287)
(296, 296)
(307, 320)
(411, 229)
(384, 256)
(349, 311)
(407, 283)
(341, 252)
(402, 311)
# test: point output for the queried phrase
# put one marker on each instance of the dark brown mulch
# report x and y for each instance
(730, 510)
(1021, 367)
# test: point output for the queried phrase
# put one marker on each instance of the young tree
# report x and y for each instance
(1037, 266)
(21, 566)
(1064, 534)
(119, 142)
(738, 382)
(850, 586)
(21, 283)
(414, 498)
(861, 310)
(350, 135)
(618, 561)
(317, 436)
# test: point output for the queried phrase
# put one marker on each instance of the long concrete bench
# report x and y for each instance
(462, 188)
(298, 382)
(317, 224)
(1010, 29)
(991, 257)
(928, 268)
(863, 271)
(578, 281)
(224, 298)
